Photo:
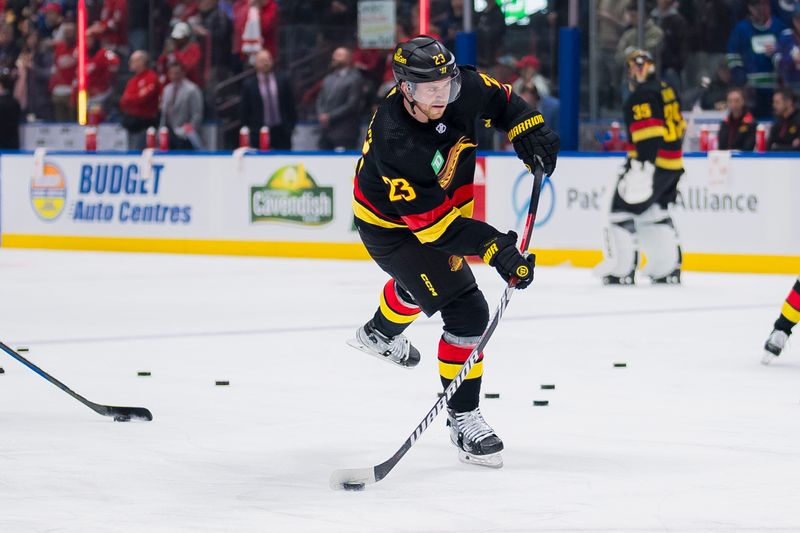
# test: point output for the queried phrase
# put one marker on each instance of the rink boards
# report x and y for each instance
(734, 214)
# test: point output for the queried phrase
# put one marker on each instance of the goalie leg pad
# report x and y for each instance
(658, 240)
(620, 254)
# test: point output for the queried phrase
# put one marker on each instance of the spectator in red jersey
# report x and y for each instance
(181, 48)
(263, 15)
(102, 66)
(62, 79)
(139, 102)
(738, 130)
(112, 28)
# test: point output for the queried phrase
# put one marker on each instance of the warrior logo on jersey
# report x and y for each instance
(291, 195)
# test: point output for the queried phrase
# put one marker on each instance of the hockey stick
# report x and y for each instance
(120, 414)
(357, 478)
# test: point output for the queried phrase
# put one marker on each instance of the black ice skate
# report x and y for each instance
(476, 441)
(774, 345)
(395, 349)
(673, 278)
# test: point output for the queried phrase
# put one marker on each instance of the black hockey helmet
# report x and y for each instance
(423, 59)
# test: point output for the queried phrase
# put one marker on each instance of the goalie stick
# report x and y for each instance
(357, 478)
(120, 414)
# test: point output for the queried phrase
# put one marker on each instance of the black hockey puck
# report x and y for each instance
(540, 403)
(143, 374)
(353, 486)
(22, 349)
(491, 395)
(2, 371)
(122, 418)
(620, 365)
(222, 383)
(548, 387)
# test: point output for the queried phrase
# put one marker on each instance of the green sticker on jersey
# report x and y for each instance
(437, 161)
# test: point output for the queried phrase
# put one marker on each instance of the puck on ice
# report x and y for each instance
(353, 486)
(540, 403)
(548, 387)
(143, 373)
(22, 349)
(491, 395)
(2, 371)
(222, 383)
(620, 365)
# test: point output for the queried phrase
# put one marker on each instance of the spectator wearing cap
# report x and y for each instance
(139, 102)
(182, 109)
(788, 55)
(64, 73)
(528, 68)
(181, 48)
(112, 28)
(267, 100)
(738, 130)
(10, 114)
(255, 27)
(784, 136)
(751, 48)
(339, 104)
(49, 19)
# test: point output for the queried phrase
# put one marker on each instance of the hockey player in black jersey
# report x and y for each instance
(648, 183)
(413, 200)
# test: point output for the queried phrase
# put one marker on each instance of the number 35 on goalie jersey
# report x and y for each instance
(655, 125)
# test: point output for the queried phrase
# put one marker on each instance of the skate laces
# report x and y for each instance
(473, 426)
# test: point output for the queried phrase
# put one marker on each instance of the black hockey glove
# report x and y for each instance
(501, 253)
(534, 141)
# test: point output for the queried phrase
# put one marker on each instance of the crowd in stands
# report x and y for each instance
(161, 63)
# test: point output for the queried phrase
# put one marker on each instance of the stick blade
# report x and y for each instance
(352, 478)
(126, 413)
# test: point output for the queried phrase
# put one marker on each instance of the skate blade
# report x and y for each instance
(358, 346)
(494, 460)
(768, 357)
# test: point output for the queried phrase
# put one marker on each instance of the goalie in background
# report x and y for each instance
(639, 220)
(790, 315)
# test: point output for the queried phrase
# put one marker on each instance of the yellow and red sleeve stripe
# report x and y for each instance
(650, 128)
(364, 210)
(394, 309)
(669, 159)
(452, 358)
(791, 307)
(430, 225)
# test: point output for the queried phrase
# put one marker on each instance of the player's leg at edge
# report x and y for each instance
(790, 315)
(382, 336)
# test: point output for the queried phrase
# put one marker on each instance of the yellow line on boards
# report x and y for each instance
(765, 264)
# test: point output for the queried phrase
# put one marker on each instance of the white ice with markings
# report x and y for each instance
(693, 435)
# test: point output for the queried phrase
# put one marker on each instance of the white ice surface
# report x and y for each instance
(695, 434)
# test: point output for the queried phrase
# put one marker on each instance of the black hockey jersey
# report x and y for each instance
(417, 178)
(655, 125)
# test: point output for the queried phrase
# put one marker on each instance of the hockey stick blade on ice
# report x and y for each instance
(119, 414)
(357, 478)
